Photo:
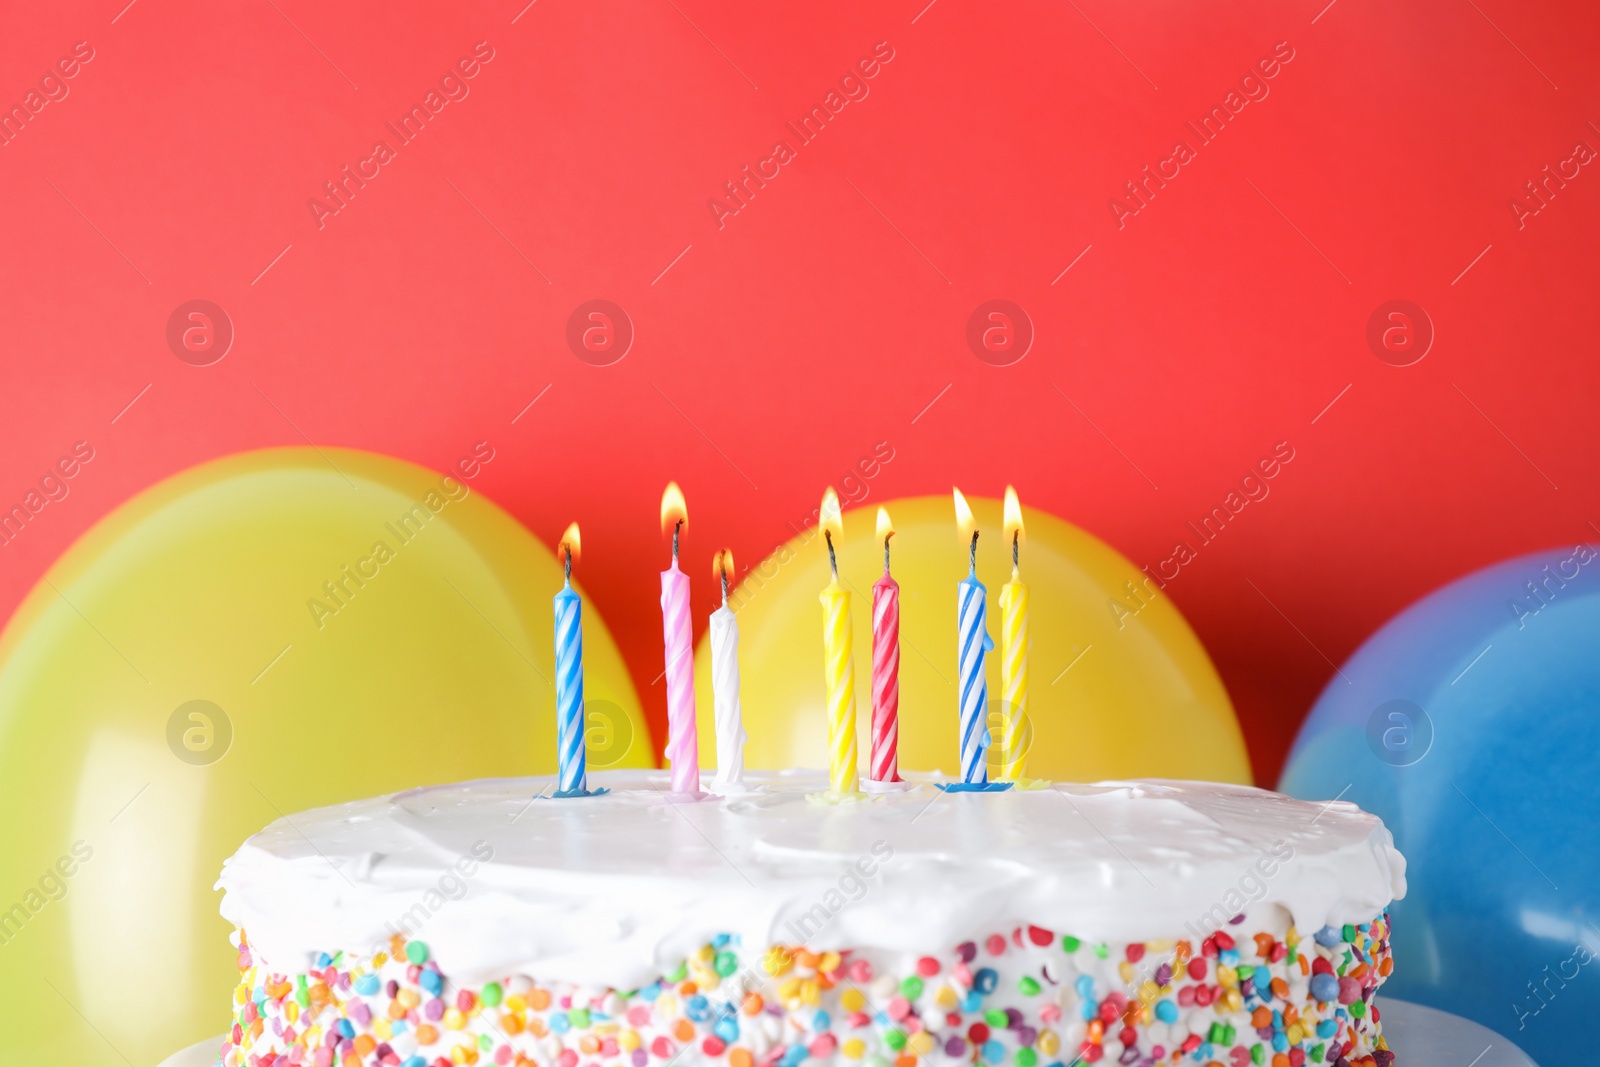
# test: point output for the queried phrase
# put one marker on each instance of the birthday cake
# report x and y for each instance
(1140, 922)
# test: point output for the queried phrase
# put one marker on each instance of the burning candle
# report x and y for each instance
(725, 685)
(839, 672)
(1015, 733)
(885, 667)
(973, 644)
(571, 754)
(682, 739)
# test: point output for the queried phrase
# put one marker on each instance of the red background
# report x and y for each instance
(775, 352)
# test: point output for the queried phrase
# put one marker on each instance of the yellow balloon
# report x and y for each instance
(1113, 692)
(262, 634)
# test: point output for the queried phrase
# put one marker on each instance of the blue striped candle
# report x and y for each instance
(974, 644)
(570, 751)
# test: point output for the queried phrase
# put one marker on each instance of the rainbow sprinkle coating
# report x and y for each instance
(1029, 997)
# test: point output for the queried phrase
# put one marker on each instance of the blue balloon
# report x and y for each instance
(1471, 724)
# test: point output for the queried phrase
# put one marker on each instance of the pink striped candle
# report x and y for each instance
(683, 742)
(885, 667)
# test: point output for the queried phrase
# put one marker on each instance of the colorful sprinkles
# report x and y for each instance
(1030, 998)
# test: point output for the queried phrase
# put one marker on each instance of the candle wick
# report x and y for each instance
(675, 528)
(724, 572)
(1016, 535)
(833, 563)
(886, 551)
(566, 548)
(972, 558)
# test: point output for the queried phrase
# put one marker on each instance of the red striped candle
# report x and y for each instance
(885, 667)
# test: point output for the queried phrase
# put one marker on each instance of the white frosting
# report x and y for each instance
(617, 889)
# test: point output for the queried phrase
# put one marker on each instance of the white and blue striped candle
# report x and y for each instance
(973, 644)
(570, 748)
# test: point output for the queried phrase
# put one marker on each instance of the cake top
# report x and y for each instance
(616, 889)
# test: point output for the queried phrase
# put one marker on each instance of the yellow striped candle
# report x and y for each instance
(839, 670)
(1015, 732)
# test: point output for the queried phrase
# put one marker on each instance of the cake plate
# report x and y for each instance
(1419, 1036)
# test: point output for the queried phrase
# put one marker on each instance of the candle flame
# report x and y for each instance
(722, 564)
(964, 520)
(885, 527)
(673, 508)
(1013, 520)
(572, 543)
(829, 519)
